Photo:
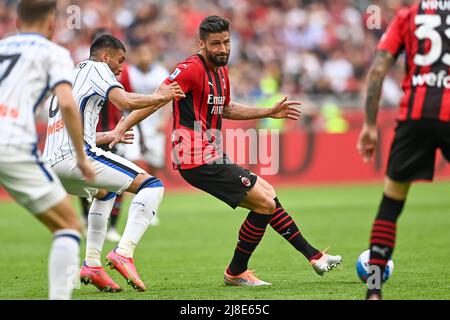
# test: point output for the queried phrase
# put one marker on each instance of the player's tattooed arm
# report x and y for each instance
(227, 111)
(284, 109)
(380, 67)
(368, 137)
(237, 111)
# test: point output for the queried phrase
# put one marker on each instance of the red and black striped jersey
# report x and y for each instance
(423, 33)
(197, 118)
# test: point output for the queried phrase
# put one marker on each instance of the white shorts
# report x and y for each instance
(113, 173)
(29, 181)
(150, 148)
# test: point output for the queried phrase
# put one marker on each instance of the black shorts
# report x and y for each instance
(413, 151)
(227, 182)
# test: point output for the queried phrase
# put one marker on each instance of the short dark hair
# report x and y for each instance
(213, 24)
(99, 32)
(106, 41)
(32, 11)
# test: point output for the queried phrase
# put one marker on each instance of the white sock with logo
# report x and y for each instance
(97, 227)
(142, 209)
(63, 264)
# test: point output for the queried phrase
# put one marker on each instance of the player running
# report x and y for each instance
(420, 31)
(30, 67)
(204, 79)
(94, 83)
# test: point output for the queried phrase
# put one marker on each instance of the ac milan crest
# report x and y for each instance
(246, 181)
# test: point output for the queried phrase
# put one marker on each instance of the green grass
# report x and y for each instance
(184, 257)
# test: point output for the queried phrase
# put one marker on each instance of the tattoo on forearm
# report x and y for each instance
(373, 98)
(383, 61)
(227, 111)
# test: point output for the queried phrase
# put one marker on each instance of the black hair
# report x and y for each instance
(99, 32)
(106, 41)
(32, 11)
(213, 24)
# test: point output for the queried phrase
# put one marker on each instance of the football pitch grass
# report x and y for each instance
(184, 257)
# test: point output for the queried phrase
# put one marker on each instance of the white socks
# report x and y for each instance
(97, 227)
(63, 265)
(142, 210)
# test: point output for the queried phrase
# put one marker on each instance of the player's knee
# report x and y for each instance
(155, 185)
(104, 195)
(268, 189)
(75, 225)
(151, 182)
(71, 222)
(62, 216)
(267, 206)
(396, 190)
(271, 192)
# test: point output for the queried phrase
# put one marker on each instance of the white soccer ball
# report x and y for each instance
(362, 267)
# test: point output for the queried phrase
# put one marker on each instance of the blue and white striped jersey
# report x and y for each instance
(92, 82)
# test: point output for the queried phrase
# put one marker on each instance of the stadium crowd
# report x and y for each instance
(297, 47)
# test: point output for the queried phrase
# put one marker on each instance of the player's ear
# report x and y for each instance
(51, 25)
(201, 44)
(104, 56)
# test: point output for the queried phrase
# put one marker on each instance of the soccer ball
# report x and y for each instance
(362, 267)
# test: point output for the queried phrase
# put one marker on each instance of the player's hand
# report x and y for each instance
(286, 110)
(367, 142)
(86, 167)
(170, 92)
(128, 137)
(119, 136)
(120, 132)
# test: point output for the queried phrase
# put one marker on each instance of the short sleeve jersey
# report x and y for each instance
(197, 125)
(92, 82)
(30, 68)
(422, 33)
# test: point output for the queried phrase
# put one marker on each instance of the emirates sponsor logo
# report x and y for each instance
(216, 100)
(217, 110)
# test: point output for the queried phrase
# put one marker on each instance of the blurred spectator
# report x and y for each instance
(301, 47)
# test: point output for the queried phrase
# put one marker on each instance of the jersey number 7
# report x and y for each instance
(7, 63)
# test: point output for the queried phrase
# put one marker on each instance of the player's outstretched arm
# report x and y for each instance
(368, 137)
(284, 109)
(138, 115)
(72, 121)
(127, 101)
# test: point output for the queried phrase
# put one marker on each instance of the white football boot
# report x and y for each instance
(325, 263)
